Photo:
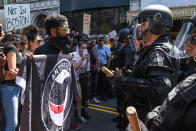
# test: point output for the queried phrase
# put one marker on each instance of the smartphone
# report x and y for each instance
(85, 51)
(0, 29)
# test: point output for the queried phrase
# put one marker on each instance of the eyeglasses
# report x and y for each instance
(66, 29)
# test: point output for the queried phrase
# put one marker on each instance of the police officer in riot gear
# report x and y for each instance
(177, 113)
(124, 60)
(126, 53)
(150, 80)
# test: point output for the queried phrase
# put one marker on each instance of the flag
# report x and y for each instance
(48, 92)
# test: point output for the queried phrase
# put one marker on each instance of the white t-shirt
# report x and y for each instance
(78, 58)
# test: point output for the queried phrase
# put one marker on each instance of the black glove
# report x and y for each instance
(142, 126)
(127, 73)
(114, 78)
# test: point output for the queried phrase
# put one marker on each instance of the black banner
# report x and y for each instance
(49, 90)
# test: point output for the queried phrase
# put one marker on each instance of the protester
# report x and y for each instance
(95, 68)
(107, 41)
(34, 39)
(104, 55)
(81, 62)
(57, 42)
(9, 91)
(57, 28)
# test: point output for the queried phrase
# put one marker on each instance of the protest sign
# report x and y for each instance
(17, 16)
(86, 24)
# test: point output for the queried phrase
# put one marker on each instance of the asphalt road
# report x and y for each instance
(101, 116)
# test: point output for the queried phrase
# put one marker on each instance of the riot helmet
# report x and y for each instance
(158, 17)
(185, 38)
(123, 35)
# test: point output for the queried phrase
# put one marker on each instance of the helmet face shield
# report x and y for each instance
(184, 38)
(142, 24)
(137, 33)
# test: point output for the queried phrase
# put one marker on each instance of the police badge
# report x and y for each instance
(157, 58)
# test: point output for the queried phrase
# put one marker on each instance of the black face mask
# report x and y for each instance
(191, 62)
(61, 43)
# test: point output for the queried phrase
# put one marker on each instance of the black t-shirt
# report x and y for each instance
(46, 49)
(12, 48)
(9, 48)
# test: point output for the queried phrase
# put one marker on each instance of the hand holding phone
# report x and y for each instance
(85, 51)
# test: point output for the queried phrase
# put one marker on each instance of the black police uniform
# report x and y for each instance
(177, 113)
(126, 56)
(150, 80)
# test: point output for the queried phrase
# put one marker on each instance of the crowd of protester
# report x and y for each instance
(90, 54)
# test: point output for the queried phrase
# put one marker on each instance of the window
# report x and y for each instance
(106, 20)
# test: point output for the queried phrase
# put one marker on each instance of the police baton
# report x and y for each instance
(107, 71)
(133, 118)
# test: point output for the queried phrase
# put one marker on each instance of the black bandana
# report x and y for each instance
(60, 43)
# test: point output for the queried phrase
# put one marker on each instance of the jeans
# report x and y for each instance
(85, 82)
(9, 96)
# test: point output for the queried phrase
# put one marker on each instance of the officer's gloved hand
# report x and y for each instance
(127, 73)
(114, 78)
(142, 126)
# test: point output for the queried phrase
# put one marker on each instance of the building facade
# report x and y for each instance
(181, 9)
(39, 9)
(106, 15)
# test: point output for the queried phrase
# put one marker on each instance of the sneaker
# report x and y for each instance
(76, 127)
(85, 114)
(82, 120)
(95, 100)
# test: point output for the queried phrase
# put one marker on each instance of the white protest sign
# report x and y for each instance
(112, 34)
(17, 16)
(86, 23)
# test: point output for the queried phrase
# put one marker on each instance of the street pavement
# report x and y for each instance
(101, 116)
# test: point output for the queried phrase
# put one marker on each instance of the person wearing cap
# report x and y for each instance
(104, 55)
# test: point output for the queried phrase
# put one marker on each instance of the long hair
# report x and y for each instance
(14, 39)
(31, 32)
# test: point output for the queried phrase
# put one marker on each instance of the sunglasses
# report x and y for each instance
(66, 29)
(100, 40)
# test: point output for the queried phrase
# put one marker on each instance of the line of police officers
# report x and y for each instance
(154, 74)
